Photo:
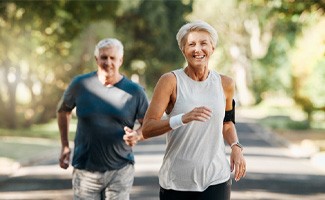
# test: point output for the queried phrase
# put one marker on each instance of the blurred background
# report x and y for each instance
(273, 49)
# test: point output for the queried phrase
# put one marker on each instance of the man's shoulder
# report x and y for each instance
(83, 77)
(129, 83)
(133, 88)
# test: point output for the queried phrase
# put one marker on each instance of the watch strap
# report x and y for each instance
(237, 144)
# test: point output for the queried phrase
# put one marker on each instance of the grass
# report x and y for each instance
(32, 144)
(23, 150)
(288, 121)
(282, 114)
(282, 118)
(49, 131)
(274, 116)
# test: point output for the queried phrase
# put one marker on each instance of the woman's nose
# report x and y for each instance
(198, 48)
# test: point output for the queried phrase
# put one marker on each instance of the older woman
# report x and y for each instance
(200, 109)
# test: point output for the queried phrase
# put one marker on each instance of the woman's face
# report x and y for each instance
(198, 49)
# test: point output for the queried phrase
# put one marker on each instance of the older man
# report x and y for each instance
(107, 106)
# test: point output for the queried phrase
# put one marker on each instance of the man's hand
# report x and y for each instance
(131, 137)
(65, 157)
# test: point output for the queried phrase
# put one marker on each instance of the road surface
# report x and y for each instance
(274, 172)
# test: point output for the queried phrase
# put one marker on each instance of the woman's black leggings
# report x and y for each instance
(213, 192)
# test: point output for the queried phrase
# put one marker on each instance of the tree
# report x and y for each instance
(241, 42)
(308, 72)
(256, 39)
(148, 31)
(298, 35)
(34, 48)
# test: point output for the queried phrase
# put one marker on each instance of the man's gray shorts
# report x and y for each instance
(112, 185)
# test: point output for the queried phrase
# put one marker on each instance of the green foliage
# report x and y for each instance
(45, 43)
(291, 66)
(149, 34)
(315, 85)
(35, 44)
(284, 122)
(272, 72)
(39, 50)
(307, 61)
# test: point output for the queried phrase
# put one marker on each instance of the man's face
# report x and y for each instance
(109, 61)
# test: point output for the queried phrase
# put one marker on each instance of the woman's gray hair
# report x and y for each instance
(199, 25)
(107, 43)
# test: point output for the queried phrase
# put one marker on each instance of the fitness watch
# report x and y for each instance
(237, 144)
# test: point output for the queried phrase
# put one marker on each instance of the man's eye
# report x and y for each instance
(103, 57)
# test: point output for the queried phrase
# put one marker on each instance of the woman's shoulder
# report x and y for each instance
(166, 82)
(227, 82)
(167, 77)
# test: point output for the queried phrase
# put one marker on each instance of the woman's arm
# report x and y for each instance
(229, 130)
(164, 98)
(153, 125)
(237, 160)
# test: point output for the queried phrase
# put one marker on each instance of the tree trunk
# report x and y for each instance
(11, 82)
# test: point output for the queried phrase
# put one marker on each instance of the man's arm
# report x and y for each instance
(63, 118)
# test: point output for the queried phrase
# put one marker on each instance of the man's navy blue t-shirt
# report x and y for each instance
(102, 113)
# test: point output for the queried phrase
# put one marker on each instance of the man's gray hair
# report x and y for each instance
(107, 43)
(196, 26)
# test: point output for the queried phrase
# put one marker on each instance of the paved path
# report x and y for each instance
(274, 173)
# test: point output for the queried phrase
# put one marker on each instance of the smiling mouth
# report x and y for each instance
(199, 57)
(106, 67)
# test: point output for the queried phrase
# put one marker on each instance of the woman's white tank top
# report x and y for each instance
(195, 155)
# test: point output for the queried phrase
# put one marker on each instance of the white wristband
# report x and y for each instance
(176, 121)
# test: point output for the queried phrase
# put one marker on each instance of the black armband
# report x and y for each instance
(230, 114)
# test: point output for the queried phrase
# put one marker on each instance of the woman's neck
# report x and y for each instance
(197, 74)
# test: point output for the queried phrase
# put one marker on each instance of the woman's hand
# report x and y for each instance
(237, 162)
(197, 114)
